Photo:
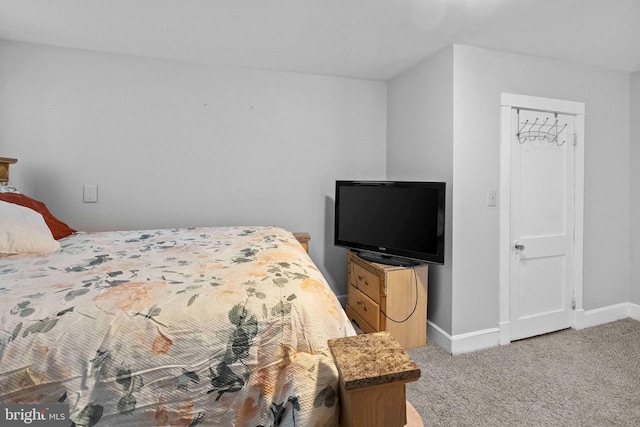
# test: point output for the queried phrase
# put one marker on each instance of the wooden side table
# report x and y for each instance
(374, 369)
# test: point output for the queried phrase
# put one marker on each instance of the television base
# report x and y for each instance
(386, 259)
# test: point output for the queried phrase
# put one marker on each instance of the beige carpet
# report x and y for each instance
(589, 377)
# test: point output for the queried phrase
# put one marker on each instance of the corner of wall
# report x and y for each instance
(419, 147)
(634, 187)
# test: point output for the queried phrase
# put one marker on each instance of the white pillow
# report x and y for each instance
(7, 189)
(23, 231)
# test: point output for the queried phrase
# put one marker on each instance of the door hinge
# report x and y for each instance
(573, 303)
(575, 139)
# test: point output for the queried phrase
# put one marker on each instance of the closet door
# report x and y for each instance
(542, 222)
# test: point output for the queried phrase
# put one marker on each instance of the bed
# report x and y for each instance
(201, 326)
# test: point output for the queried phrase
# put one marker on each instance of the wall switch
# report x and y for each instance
(90, 193)
(492, 198)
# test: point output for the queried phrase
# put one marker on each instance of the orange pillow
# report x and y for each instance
(58, 228)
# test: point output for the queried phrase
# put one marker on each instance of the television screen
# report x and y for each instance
(391, 220)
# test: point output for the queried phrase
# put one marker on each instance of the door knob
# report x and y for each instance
(519, 247)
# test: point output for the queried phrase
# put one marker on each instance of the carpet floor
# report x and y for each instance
(589, 377)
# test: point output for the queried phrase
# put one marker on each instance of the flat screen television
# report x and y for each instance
(391, 222)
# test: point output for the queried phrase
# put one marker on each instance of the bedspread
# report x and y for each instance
(210, 326)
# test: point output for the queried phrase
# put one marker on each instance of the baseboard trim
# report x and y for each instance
(463, 343)
(487, 338)
(438, 336)
(600, 316)
(477, 340)
(634, 311)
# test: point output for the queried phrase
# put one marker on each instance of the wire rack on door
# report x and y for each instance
(539, 130)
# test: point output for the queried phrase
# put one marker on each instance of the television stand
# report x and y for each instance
(388, 298)
(386, 259)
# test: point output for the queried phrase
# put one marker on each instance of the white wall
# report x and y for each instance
(634, 193)
(480, 76)
(174, 144)
(420, 148)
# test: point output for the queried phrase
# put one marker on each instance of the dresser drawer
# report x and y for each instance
(365, 281)
(364, 307)
(362, 324)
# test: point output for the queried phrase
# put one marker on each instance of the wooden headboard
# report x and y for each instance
(303, 237)
(4, 169)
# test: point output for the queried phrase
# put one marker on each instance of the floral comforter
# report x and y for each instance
(201, 326)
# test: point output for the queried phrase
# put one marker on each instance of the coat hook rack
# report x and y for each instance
(534, 131)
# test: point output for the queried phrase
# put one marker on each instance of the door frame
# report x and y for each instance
(576, 109)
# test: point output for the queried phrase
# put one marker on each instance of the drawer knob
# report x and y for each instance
(361, 304)
(362, 279)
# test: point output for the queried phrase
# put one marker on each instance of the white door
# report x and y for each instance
(542, 222)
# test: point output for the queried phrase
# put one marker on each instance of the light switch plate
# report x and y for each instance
(90, 193)
(492, 197)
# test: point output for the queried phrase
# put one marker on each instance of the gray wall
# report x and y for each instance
(477, 77)
(173, 144)
(634, 285)
(480, 76)
(420, 148)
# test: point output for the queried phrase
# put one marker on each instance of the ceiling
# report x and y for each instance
(369, 39)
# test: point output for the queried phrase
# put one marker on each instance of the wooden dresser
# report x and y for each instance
(382, 298)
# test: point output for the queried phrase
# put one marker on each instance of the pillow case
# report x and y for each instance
(24, 231)
(7, 189)
(58, 228)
